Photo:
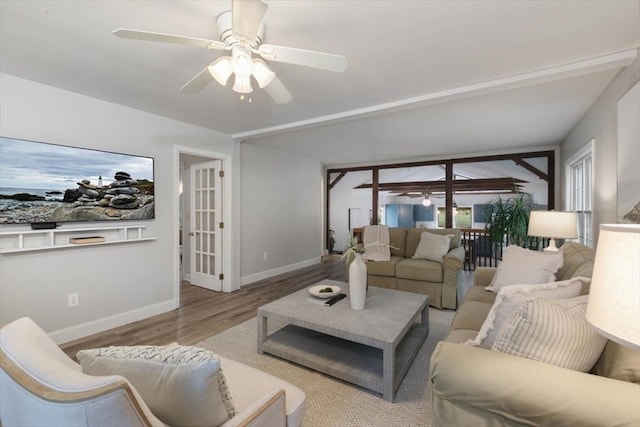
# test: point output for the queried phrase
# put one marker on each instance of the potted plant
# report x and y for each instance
(509, 218)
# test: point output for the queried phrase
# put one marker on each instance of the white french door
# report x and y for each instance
(206, 224)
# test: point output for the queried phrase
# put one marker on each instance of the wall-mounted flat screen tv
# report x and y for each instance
(50, 183)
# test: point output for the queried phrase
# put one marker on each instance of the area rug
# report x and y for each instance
(331, 402)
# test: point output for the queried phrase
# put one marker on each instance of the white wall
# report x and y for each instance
(281, 212)
(120, 283)
(343, 197)
(600, 123)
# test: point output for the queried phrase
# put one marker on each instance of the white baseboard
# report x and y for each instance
(276, 271)
(99, 325)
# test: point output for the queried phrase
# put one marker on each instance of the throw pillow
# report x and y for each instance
(432, 246)
(520, 265)
(552, 331)
(510, 297)
(181, 385)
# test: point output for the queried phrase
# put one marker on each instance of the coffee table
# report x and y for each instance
(372, 348)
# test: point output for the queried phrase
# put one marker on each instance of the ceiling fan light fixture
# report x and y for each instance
(221, 70)
(426, 201)
(262, 73)
(242, 84)
(241, 62)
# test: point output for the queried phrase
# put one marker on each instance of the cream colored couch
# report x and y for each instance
(474, 386)
(438, 279)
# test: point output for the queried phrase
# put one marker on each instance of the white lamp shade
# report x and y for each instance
(614, 299)
(262, 73)
(242, 84)
(426, 201)
(221, 70)
(553, 224)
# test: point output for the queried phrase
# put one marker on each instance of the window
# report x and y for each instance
(461, 217)
(579, 191)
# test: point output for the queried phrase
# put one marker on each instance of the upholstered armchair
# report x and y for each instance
(41, 386)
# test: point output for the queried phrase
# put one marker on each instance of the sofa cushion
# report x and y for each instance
(509, 297)
(552, 331)
(383, 268)
(419, 269)
(240, 375)
(479, 293)
(520, 266)
(619, 362)
(460, 336)
(397, 241)
(432, 246)
(181, 385)
(471, 315)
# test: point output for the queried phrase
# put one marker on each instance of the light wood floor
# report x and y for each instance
(203, 313)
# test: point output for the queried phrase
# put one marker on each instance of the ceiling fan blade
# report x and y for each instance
(126, 33)
(247, 17)
(308, 58)
(198, 82)
(278, 92)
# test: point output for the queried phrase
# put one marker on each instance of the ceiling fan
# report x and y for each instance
(241, 32)
(427, 196)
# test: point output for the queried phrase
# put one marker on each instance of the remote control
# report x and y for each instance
(334, 300)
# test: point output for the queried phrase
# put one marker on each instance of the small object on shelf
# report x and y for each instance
(43, 225)
(83, 240)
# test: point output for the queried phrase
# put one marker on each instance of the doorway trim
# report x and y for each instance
(229, 268)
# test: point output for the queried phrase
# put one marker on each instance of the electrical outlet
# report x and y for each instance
(73, 299)
(265, 256)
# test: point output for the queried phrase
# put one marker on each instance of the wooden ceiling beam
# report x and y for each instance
(485, 184)
(534, 170)
(496, 157)
(337, 180)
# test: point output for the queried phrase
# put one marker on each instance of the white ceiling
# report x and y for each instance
(425, 78)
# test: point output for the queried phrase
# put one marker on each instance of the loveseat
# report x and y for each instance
(436, 278)
(474, 386)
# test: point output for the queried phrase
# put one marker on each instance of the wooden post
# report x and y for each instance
(374, 196)
(448, 194)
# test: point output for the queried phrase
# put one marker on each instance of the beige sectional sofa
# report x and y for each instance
(473, 386)
(438, 279)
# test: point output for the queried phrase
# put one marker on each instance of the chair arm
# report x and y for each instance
(514, 390)
(266, 411)
(452, 263)
(482, 275)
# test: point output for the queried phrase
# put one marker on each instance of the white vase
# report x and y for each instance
(357, 283)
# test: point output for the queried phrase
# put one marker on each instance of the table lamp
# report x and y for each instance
(614, 299)
(553, 224)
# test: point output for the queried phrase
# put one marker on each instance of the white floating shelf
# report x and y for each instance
(58, 238)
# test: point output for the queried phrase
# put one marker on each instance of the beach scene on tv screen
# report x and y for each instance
(42, 182)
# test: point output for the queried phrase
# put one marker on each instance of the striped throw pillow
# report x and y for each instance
(552, 331)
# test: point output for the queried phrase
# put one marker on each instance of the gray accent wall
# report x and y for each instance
(600, 123)
(282, 205)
